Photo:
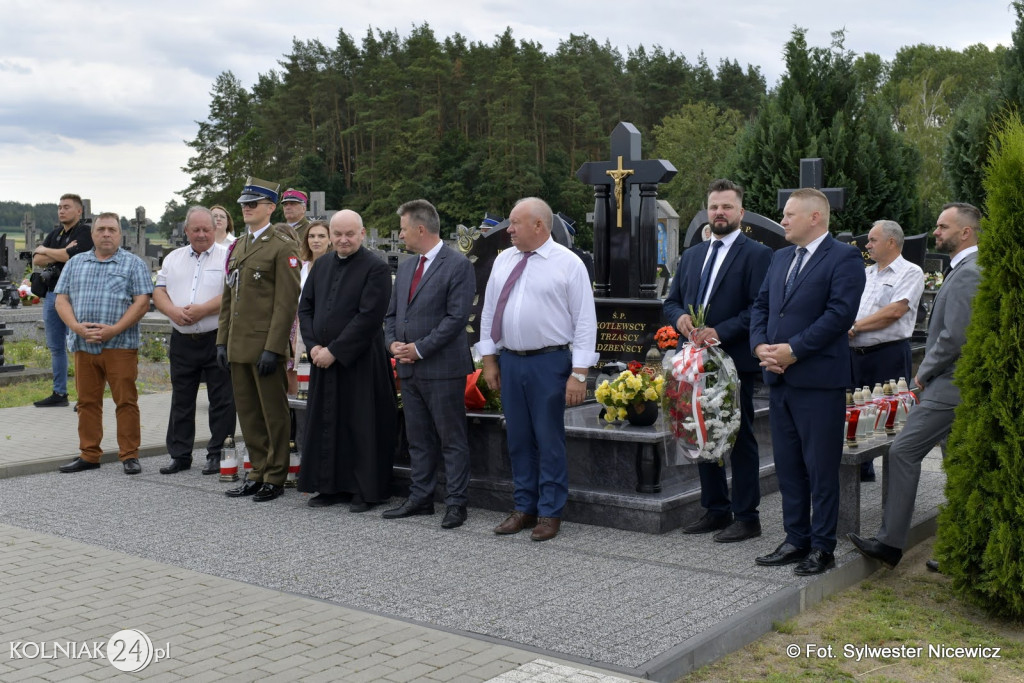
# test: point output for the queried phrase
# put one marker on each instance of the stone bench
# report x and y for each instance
(849, 480)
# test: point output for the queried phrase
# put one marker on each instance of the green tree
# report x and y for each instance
(973, 129)
(228, 145)
(981, 539)
(696, 140)
(174, 213)
(820, 109)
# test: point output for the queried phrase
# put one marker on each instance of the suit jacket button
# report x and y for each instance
(782, 315)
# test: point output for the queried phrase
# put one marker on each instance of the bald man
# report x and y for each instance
(352, 414)
(538, 301)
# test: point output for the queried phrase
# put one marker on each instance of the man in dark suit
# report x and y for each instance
(724, 275)
(798, 329)
(956, 233)
(425, 330)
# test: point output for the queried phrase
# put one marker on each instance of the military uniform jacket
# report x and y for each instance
(301, 227)
(261, 295)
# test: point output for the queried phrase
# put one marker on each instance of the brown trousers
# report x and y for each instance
(118, 368)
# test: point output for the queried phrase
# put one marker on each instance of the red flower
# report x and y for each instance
(635, 367)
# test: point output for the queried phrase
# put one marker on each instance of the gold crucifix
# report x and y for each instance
(618, 174)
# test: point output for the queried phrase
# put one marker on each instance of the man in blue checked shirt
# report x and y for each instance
(101, 296)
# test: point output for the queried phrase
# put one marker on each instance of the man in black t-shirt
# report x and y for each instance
(72, 237)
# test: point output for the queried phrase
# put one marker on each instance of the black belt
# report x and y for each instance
(195, 336)
(537, 352)
(864, 350)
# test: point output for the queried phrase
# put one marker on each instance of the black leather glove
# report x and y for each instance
(222, 357)
(267, 363)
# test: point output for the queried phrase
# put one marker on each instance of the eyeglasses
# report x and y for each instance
(253, 205)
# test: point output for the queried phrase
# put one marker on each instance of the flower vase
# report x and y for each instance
(642, 414)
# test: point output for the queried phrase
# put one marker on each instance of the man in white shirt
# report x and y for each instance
(956, 233)
(537, 305)
(880, 337)
(189, 287)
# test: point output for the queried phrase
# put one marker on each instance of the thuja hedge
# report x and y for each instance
(981, 528)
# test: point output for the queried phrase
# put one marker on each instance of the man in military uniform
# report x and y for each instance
(260, 299)
(293, 205)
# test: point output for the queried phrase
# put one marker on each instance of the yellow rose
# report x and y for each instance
(651, 395)
(622, 413)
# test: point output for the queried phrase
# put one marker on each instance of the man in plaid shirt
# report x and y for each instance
(101, 296)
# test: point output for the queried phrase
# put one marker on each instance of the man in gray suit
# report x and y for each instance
(956, 233)
(425, 330)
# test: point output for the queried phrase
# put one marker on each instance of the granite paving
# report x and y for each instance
(280, 590)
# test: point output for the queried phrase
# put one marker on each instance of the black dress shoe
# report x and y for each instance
(708, 523)
(454, 516)
(932, 566)
(787, 553)
(409, 509)
(268, 492)
(79, 465)
(888, 555)
(246, 488)
(322, 500)
(359, 505)
(817, 562)
(177, 465)
(132, 466)
(740, 530)
(212, 465)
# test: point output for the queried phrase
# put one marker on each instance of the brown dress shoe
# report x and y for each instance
(515, 522)
(546, 529)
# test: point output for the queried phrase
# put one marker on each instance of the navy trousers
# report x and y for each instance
(533, 400)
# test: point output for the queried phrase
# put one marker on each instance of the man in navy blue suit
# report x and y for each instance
(798, 330)
(724, 274)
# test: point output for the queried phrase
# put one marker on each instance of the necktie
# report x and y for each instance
(800, 253)
(416, 277)
(705, 277)
(499, 308)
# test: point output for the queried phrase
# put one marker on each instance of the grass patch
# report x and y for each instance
(154, 376)
(906, 607)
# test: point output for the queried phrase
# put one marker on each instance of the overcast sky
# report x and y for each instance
(97, 97)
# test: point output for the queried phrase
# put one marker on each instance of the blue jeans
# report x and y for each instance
(56, 341)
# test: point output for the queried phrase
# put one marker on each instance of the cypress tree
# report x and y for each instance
(981, 528)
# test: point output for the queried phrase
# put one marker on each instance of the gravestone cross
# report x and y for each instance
(812, 174)
(626, 240)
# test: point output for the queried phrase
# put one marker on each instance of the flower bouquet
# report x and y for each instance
(666, 337)
(933, 280)
(633, 389)
(702, 399)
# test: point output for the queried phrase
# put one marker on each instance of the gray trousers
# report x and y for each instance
(927, 425)
(435, 423)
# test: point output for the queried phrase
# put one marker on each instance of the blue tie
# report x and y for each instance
(800, 253)
(705, 277)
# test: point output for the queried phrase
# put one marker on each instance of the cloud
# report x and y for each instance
(100, 96)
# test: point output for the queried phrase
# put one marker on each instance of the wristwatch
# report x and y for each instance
(579, 377)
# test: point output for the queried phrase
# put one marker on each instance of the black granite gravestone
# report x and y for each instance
(754, 225)
(915, 247)
(812, 174)
(625, 239)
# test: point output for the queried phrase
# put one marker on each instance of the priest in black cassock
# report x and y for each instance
(351, 413)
